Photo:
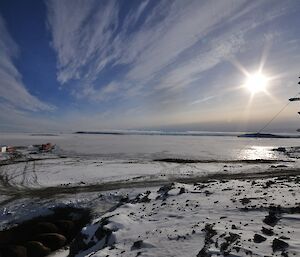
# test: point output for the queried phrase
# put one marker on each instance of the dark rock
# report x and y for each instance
(125, 199)
(13, 251)
(209, 232)
(223, 248)
(259, 239)
(237, 248)
(164, 191)
(282, 166)
(268, 184)
(52, 228)
(54, 241)
(234, 227)
(142, 198)
(166, 188)
(67, 227)
(6, 237)
(137, 245)
(36, 249)
(180, 237)
(284, 238)
(267, 232)
(44, 227)
(245, 201)
(207, 193)
(79, 244)
(232, 238)
(102, 233)
(204, 253)
(229, 240)
(294, 210)
(280, 149)
(271, 219)
(181, 191)
(279, 245)
(227, 189)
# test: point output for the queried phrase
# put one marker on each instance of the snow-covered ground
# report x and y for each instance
(81, 171)
(92, 171)
(230, 218)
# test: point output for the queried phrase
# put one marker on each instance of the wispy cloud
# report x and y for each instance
(88, 38)
(185, 24)
(153, 45)
(133, 63)
(12, 89)
(82, 34)
(154, 55)
(104, 94)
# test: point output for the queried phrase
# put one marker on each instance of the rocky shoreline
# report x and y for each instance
(227, 211)
(225, 217)
(44, 234)
(258, 217)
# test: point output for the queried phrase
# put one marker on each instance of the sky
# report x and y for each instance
(69, 65)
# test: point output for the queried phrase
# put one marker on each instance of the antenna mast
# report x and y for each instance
(293, 99)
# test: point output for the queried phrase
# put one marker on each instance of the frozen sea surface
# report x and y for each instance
(101, 159)
(96, 159)
(148, 147)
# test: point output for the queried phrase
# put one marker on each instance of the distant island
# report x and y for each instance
(187, 133)
(157, 133)
(266, 135)
(98, 133)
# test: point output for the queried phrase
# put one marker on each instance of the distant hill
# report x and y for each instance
(266, 135)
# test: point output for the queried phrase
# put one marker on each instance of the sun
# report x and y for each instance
(256, 83)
